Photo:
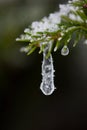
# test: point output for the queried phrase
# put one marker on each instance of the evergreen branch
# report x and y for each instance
(58, 29)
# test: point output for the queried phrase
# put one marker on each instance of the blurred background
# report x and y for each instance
(22, 104)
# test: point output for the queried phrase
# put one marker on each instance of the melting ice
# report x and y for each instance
(47, 85)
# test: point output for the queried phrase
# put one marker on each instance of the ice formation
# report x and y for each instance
(47, 85)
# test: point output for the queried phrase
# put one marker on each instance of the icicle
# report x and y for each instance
(47, 85)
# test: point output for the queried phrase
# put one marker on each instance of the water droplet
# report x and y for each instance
(65, 51)
(47, 85)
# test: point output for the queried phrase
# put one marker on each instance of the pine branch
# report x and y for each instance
(58, 28)
(54, 32)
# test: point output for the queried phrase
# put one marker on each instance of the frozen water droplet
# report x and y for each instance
(47, 85)
(65, 51)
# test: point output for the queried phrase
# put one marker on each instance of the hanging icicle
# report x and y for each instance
(47, 85)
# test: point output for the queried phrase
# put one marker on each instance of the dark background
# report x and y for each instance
(22, 104)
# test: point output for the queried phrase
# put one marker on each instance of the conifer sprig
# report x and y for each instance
(57, 29)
